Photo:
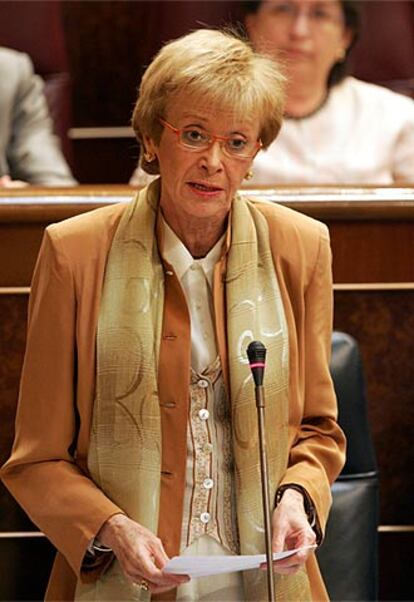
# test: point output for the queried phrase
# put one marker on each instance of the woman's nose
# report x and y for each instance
(212, 157)
(301, 24)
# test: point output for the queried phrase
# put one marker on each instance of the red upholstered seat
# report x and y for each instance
(385, 52)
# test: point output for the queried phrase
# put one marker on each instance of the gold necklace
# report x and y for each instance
(311, 113)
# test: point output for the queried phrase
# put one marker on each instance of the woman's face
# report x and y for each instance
(309, 36)
(200, 184)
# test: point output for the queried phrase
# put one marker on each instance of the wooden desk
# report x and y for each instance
(372, 233)
(370, 227)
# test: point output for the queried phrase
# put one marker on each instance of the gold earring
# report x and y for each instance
(148, 156)
(341, 55)
(249, 175)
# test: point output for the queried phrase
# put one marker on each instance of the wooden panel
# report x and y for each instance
(105, 160)
(383, 324)
(25, 561)
(25, 567)
(395, 565)
(24, 218)
(109, 44)
(372, 229)
(13, 313)
(19, 246)
(372, 251)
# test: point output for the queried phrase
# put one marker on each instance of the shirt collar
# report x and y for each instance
(177, 254)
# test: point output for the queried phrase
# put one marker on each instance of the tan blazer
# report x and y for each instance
(47, 470)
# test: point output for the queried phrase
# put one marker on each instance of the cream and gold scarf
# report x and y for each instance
(125, 447)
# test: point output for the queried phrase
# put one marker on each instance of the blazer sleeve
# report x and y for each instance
(33, 151)
(42, 473)
(318, 450)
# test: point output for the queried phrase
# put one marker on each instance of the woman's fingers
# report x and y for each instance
(140, 553)
(160, 556)
(287, 566)
(155, 575)
(7, 182)
(291, 530)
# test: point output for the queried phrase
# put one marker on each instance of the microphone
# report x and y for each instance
(256, 352)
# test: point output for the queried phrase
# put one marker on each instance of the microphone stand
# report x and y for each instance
(256, 352)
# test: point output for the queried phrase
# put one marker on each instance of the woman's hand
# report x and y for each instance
(7, 182)
(139, 552)
(291, 530)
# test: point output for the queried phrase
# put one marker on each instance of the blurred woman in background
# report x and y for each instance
(337, 129)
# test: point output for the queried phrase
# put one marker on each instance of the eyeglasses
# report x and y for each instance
(320, 16)
(195, 139)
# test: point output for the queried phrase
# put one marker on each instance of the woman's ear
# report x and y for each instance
(150, 149)
(347, 38)
(249, 23)
(149, 145)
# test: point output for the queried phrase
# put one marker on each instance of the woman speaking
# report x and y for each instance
(136, 435)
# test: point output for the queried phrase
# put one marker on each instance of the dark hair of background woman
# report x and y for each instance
(352, 15)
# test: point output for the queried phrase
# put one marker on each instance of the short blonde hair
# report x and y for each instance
(212, 64)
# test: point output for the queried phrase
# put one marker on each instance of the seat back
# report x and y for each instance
(384, 54)
(348, 556)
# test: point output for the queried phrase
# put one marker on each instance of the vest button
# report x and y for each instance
(205, 517)
(208, 483)
(203, 414)
(202, 383)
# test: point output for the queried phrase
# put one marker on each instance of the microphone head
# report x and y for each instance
(256, 352)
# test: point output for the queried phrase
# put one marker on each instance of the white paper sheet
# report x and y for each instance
(204, 566)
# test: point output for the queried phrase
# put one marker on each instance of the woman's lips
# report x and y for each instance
(295, 53)
(203, 189)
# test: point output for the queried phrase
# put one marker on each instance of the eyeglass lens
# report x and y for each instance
(235, 146)
(318, 15)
